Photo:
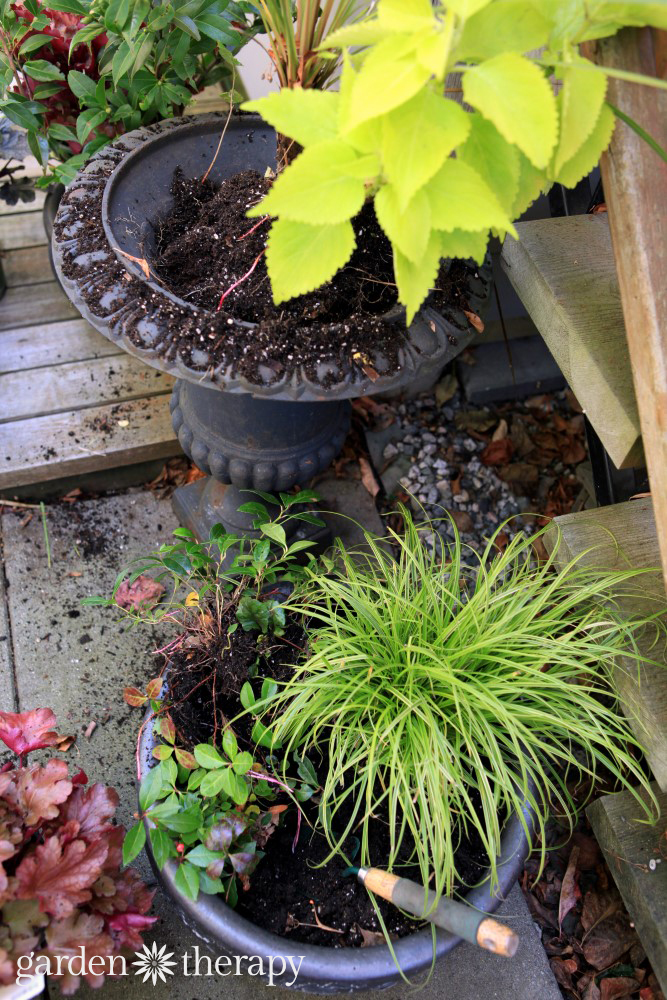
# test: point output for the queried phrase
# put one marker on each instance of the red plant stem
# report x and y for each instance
(241, 280)
(256, 226)
(277, 781)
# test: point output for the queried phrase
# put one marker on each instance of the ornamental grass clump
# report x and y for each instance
(446, 696)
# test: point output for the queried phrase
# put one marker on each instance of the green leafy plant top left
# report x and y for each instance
(61, 884)
(77, 73)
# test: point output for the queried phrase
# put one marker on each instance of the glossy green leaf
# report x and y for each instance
(134, 841)
(186, 880)
(151, 788)
(162, 845)
(207, 756)
(34, 42)
(42, 71)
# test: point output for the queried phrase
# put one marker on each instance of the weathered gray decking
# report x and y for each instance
(71, 402)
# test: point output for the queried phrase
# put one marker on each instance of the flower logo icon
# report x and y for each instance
(153, 963)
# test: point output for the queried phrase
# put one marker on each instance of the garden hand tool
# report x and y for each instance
(450, 915)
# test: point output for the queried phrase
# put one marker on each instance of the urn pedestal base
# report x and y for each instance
(244, 443)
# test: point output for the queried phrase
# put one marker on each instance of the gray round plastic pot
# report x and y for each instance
(332, 970)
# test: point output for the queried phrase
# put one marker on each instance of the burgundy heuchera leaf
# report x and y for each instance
(27, 731)
(92, 808)
(37, 792)
(60, 878)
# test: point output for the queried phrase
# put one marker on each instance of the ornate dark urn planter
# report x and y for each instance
(270, 434)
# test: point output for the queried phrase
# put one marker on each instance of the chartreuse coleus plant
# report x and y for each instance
(442, 176)
(61, 884)
(448, 696)
(77, 73)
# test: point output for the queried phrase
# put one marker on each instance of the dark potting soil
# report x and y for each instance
(326, 335)
(287, 895)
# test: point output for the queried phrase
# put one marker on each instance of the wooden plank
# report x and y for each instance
(635, 183)
(22, 206)
(618, 537)
(52, 344)
(39, 391)
(28, 266)
(564, 272)
(629, 848)
(45, 303)
(79, 441)
(25, 229)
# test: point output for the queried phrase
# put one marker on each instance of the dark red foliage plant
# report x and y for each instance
(61, 884)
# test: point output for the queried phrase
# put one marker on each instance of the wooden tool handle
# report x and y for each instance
(496, 937)
(449, 914)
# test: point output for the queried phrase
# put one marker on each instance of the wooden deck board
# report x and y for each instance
(629, 847)
(24, 229)
(42, 303)
(36, 392)
(619, 537)
(51, 447)
(51, 344)
(564, 272)
(71, 402)
(27, 266)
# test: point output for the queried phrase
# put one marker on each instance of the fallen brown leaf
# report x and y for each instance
(474, 420)
(370, 938)
(475, 321)
(461, 519)
(617, 987)
(573, 452)
(368, 477)
(592, 992)
(90, 729)
(570, 893)
(563, 969)
(610, 939)
(143, 593)
(500, 432)
(522, 476)
(497, 452)
(446, 389)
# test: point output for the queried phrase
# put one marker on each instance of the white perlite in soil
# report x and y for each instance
(482, 501)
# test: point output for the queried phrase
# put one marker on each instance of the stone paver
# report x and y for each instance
(75, 660)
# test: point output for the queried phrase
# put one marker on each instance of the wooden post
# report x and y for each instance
(635, 184)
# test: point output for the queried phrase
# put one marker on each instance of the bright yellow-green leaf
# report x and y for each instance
(515, 95)
(434, 50)
(399, 15)
(504, 26)
(409, 229)
(367, 137)
(415, 281)
(417, 138)
(579, 104)
(365, 33)
(318, 185)
(460, 199)
(300, 257)
(589, 153)
(390, 76)
(466, 8)
(464, 245)
(531, 183)
(494, 159)
(306, 116)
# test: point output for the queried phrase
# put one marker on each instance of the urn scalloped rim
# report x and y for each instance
(112, 293)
